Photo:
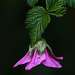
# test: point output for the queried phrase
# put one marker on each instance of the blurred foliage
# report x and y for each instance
(70, 3)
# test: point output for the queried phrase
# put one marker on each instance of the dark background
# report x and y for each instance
(14, 39)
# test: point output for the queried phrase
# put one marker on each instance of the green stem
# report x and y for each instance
(52, 14)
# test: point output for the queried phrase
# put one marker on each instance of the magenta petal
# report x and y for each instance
(50, 62)
(23, 60)
(56, 58)
(35, 60)
(59, 58)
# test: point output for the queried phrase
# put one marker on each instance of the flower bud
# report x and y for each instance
(40, 45)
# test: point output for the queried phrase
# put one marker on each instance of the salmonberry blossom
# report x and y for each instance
(46, 59)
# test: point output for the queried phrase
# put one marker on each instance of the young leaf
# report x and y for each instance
(53, 5)
(70, 3)
(36, 22)
(60, 12)
(32, 2)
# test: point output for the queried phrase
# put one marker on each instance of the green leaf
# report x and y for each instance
(70, 3)
(36, 22)
(60, 12)
(32, 2)
(53, 5)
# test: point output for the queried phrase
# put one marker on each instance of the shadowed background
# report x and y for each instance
(14, 39)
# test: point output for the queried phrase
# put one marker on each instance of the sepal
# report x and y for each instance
(31, 50)
(41, 46)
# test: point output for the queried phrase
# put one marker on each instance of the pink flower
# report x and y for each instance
(46, 59)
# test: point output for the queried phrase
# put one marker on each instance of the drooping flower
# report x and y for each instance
(46, 59)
